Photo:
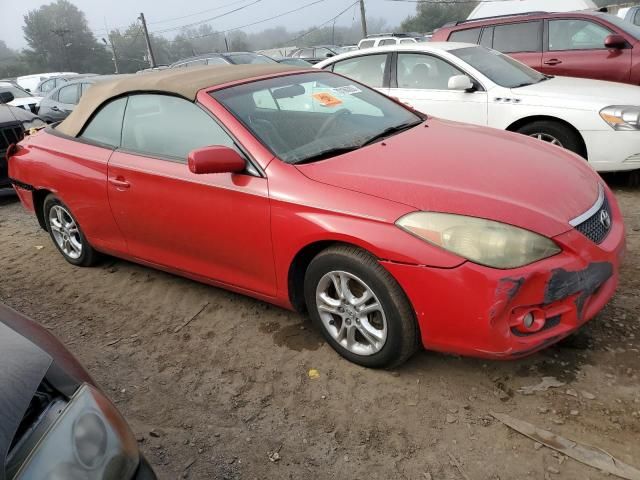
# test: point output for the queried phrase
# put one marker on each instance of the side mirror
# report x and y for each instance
(329, 55)
(6, 97)
(215, 159)
(460, 82)
(615, 42)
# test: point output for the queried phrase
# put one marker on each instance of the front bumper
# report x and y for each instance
(477, 311)
(609, 150)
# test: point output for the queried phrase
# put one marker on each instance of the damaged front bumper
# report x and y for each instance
(479, 311)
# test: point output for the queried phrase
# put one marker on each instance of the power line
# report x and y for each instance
(259, 21)
(323, 24)
(206, 20)
(197, 13)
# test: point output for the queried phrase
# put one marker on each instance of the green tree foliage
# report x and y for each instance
(433, 14)
(59, 39)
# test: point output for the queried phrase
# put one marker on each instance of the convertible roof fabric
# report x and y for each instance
(185, 82)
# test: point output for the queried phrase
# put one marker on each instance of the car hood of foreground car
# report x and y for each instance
(456, 168)
(582, 92)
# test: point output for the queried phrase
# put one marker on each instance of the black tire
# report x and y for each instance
(402, 329)
(89, 256)
(565, 135)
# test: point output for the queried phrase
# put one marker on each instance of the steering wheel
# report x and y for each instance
(329, 122)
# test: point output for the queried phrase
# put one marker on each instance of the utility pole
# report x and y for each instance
(363, 17)
(152, 60)
(113, 52)
(61, 32)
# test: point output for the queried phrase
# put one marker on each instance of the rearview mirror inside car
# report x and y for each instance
(6, 97)
(289, 91)
(460, 82)
(615, 41)
(215, 159)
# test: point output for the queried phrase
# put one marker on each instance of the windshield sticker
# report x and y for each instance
(346, 90)
(327, 100)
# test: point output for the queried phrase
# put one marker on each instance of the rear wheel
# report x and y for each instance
(66, 234)
(554, 133)
(360, 308)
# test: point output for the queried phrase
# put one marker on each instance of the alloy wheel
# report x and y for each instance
(545, 137)
(65, 232)
(351, 313)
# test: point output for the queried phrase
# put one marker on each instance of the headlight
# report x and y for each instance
(622, 117)
(482, 241)
(89, 441)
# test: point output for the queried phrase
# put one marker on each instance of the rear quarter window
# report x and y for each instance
(470, 35)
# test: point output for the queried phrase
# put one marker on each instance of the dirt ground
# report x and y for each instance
(215, 398)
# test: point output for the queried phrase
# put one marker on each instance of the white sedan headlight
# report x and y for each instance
(622, 117)
(481, 241)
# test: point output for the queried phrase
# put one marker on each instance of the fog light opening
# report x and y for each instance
(527, 320)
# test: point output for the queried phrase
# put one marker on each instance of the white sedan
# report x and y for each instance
(457, 81)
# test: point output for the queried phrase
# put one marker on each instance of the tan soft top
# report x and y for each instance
(185, 82)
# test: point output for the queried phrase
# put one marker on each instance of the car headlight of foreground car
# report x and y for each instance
(622, 117)
(102, 446)
(481, 241)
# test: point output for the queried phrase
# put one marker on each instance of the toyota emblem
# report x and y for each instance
(605, 219)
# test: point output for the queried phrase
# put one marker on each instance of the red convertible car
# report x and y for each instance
(311, 191)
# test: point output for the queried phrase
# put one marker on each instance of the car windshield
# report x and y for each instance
(622, 24)
(15, 91)
(311, 116)
(498, 68)
(247, 58)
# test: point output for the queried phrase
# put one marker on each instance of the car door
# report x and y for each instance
(213, 226)
(65, 102)
(522, 41)
(422, 82)
(575, 48)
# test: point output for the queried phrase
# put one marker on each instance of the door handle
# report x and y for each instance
(553, 61)
(55, 109)
(119, 182)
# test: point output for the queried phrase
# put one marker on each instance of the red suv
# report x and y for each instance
(574, 44)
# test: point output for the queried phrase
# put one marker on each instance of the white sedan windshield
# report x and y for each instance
(499, 68)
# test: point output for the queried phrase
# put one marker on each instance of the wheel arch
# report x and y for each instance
(300, 263)
(516, 125)
(38, 204)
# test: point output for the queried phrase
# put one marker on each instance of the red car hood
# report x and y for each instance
(464, 169)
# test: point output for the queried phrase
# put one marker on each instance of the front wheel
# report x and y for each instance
(359, 307)
(554, 133)
(66, 234)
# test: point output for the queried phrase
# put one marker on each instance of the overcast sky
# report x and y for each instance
(120, 13)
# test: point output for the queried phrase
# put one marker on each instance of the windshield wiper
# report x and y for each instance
(328, 153)
(390, 131)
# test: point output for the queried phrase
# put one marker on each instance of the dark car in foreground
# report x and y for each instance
(55, 423)
(61, 101)
(572, 44)
(14, 121)
(227, 58)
